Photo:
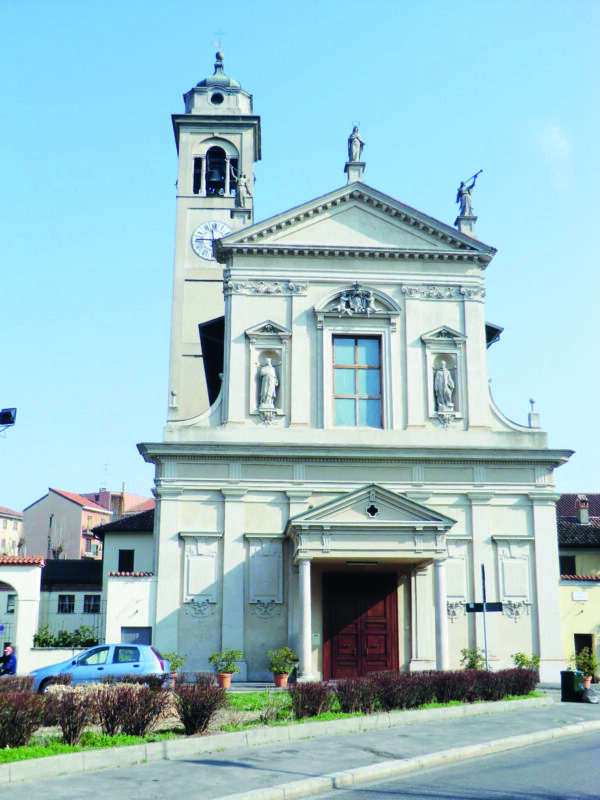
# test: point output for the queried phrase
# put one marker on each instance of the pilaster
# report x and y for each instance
(483, 553)
(546, 578)
(234, 554)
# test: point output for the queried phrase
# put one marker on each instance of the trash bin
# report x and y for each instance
(571, 686)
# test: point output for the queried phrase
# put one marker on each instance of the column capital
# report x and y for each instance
(543, 498)
(298, 494)
(232, 492)
(480, 498)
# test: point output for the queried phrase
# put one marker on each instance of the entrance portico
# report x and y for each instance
(371, 565)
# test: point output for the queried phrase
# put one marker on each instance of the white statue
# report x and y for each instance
(463, 195)
(242, 191)
(355, 145)
(268, 385)
(443, 388)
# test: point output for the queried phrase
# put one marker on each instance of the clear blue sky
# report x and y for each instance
(441, 90)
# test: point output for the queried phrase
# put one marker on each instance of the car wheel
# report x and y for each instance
(43, 687)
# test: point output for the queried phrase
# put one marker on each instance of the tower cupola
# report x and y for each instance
(218, 94)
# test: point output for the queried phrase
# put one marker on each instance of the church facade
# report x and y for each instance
(334, 473)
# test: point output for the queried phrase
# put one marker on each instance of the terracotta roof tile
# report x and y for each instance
(135, 523)
(572, 534)
(22, 561)
(6, 512)
(565, 507)
(81, 501)
(147, 505)
(130, 574)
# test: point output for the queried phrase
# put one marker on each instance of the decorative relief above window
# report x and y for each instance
(268, 346)
(444, 351)
(201, 569)
(359, 301)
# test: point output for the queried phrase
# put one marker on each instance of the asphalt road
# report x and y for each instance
(567, 769)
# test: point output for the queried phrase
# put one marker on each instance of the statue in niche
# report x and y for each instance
(355, 145)
(463, 195)
(268, 385)
(443, 387)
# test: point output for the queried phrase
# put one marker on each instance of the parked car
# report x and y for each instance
(102, 661)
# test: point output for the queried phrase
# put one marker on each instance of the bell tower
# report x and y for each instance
(218, 141)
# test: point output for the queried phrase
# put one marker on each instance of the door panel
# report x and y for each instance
(360, 623)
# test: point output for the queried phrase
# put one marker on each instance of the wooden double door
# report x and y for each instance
(360, 621)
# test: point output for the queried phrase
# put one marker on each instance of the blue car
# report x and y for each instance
(103, 661)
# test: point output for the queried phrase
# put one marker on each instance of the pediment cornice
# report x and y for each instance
(448, 244)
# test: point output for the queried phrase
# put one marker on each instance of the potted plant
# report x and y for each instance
(585, 661)
(281, 663)
(224, 664)
(176, 661)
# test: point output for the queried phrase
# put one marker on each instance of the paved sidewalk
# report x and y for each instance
(302, 760)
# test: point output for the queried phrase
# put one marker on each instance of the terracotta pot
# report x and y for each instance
(587, 681)
(224, 679)
(173, 679)
(281, 679)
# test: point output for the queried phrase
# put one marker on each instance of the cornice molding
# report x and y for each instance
(372, 198)
(396, 254)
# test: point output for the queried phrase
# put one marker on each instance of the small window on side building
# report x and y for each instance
(126, 560)
(567, 565)
(66, 604)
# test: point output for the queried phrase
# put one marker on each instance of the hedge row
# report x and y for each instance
(128, 708)
(386, 691)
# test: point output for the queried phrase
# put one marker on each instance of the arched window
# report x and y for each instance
(221, 173)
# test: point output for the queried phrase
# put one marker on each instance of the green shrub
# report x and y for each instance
(472, 658)
(521, 661)
(225, 661)
(43, 638)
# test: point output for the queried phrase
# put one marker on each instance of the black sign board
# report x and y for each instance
(475, 608)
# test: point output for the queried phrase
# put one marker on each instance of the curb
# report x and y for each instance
(388, 769)
(171, 750)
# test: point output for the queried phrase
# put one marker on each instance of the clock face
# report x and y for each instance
(204, 236)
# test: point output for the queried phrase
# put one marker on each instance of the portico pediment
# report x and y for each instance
(369, 521)
(356, 219)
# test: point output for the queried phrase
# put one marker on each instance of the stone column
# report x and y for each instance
(227, 176)
(203, 177)
(441, 617)
(234, 554)
(305, 621)
(298, 502)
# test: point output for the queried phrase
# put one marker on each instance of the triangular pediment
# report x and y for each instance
(268, 328)
(372, 506)
(356, 218)
(443, 334)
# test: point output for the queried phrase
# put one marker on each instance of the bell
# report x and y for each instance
(214, 175)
